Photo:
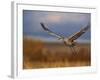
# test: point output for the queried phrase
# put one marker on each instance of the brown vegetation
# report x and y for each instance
(38, 54)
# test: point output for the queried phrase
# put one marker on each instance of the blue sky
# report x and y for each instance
(64, 23)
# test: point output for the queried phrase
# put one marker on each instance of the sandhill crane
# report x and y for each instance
(70, 41)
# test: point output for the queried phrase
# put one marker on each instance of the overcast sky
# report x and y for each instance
(63, 23)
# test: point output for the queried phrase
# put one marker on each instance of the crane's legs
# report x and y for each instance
(74, 49)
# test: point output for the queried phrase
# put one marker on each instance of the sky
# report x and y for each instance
(63, 23)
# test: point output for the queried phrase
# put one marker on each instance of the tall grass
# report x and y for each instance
(38, 54)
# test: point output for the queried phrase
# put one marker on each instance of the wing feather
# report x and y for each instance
(51, 32)
(78, 34)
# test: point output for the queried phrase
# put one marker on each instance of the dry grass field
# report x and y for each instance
(38, 54)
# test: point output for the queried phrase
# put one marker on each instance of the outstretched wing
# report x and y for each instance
(50, 32)
(78, 34)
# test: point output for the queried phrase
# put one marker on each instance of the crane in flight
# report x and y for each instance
(70, 41)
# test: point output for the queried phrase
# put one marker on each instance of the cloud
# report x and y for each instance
(61, 17)
(53, 18)
(76, 17)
